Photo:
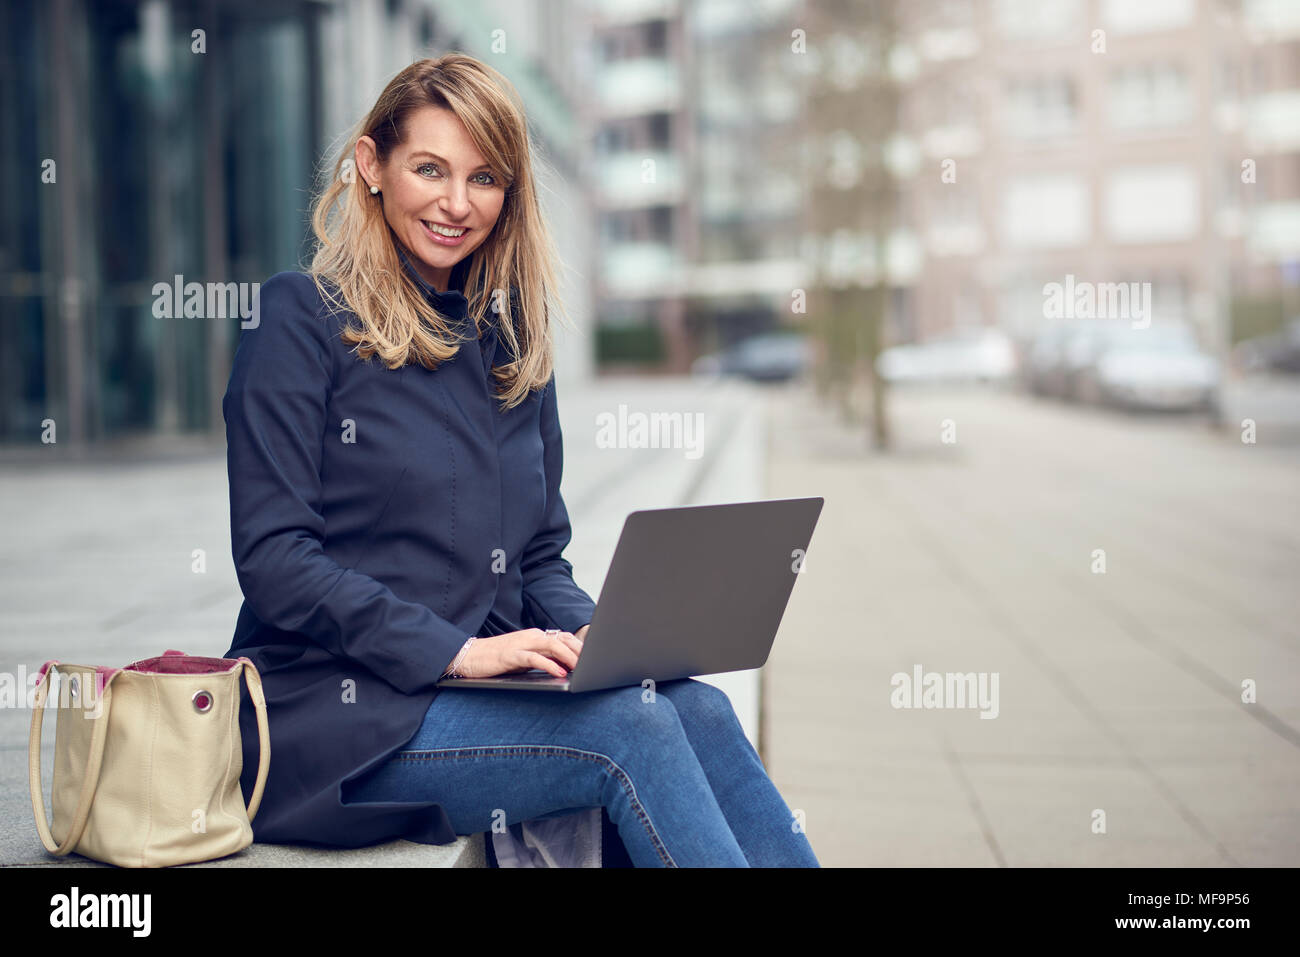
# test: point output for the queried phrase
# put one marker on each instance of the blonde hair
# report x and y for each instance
(358, 254)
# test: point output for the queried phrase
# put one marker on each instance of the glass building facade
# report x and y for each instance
(141, 140)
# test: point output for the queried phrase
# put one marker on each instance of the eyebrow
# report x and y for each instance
(443, 160)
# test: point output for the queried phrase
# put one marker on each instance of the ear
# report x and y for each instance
(368, 166)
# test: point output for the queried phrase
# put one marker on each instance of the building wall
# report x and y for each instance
(1112, 157)
(140, 155)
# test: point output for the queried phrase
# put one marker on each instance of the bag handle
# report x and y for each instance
(91, 782)
(254, 682)
(97, 741)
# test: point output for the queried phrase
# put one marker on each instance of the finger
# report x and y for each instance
(559, 647)
(538, 660)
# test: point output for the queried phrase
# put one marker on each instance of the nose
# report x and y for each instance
(455, 201)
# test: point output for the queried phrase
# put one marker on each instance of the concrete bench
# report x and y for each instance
(464, 852)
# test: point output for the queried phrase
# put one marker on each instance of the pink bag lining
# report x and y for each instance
(168, 663)
(176, 663)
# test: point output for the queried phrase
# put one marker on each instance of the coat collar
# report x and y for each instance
(451, 303)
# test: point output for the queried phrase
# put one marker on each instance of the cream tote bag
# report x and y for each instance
(147, 760)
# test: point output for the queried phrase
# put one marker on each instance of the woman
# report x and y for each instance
(396, 517)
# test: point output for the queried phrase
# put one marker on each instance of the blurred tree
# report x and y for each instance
(852, 110)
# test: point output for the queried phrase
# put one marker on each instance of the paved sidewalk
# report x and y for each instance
(1119, 692)
(96, 565)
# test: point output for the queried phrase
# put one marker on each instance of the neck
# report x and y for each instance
(439, 279)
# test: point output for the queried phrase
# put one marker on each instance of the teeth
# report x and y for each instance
(444, 231)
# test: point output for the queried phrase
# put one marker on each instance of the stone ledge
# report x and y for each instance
(463, 852)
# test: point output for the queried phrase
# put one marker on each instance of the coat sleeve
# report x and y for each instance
(551, 597)
(275, 409)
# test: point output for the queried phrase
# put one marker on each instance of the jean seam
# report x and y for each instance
(611, 766)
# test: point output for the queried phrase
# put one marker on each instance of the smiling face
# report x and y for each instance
(435, 183)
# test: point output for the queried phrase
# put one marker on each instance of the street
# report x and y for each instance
(1120, 689)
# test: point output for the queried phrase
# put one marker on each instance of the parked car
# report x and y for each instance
(766, 357)
(982, 355)
(1084, 346)
(1045, 360)
(1159, 367)
(1279, 352)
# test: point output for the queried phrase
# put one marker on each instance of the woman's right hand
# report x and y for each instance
(518, 651)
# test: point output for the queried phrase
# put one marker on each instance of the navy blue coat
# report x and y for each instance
(366, 564)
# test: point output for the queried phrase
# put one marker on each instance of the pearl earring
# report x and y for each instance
(374, 190)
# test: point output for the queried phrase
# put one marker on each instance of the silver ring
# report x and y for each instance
(552, 631)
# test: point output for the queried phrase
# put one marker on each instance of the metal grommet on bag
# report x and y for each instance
(202, 701)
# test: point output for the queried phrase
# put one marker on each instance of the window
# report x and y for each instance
(656, 38)
(1046, 211)
(1127, 17)
(1040, 107)
(1037, 19)
(661, 224)
(1156, 203)
(1150, 96)
(660, 131)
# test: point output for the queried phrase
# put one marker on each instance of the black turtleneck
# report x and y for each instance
(454, 305)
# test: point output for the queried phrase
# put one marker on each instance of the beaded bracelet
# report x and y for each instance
(454, 670)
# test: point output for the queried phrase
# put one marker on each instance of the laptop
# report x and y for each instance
(696, 590)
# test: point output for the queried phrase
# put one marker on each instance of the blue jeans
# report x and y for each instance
(673, 770)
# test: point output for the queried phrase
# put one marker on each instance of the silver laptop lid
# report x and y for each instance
(695, 590)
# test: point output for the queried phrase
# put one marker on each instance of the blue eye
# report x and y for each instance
(491, 180)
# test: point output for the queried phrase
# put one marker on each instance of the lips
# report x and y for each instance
(434, 226)
(439, 238)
